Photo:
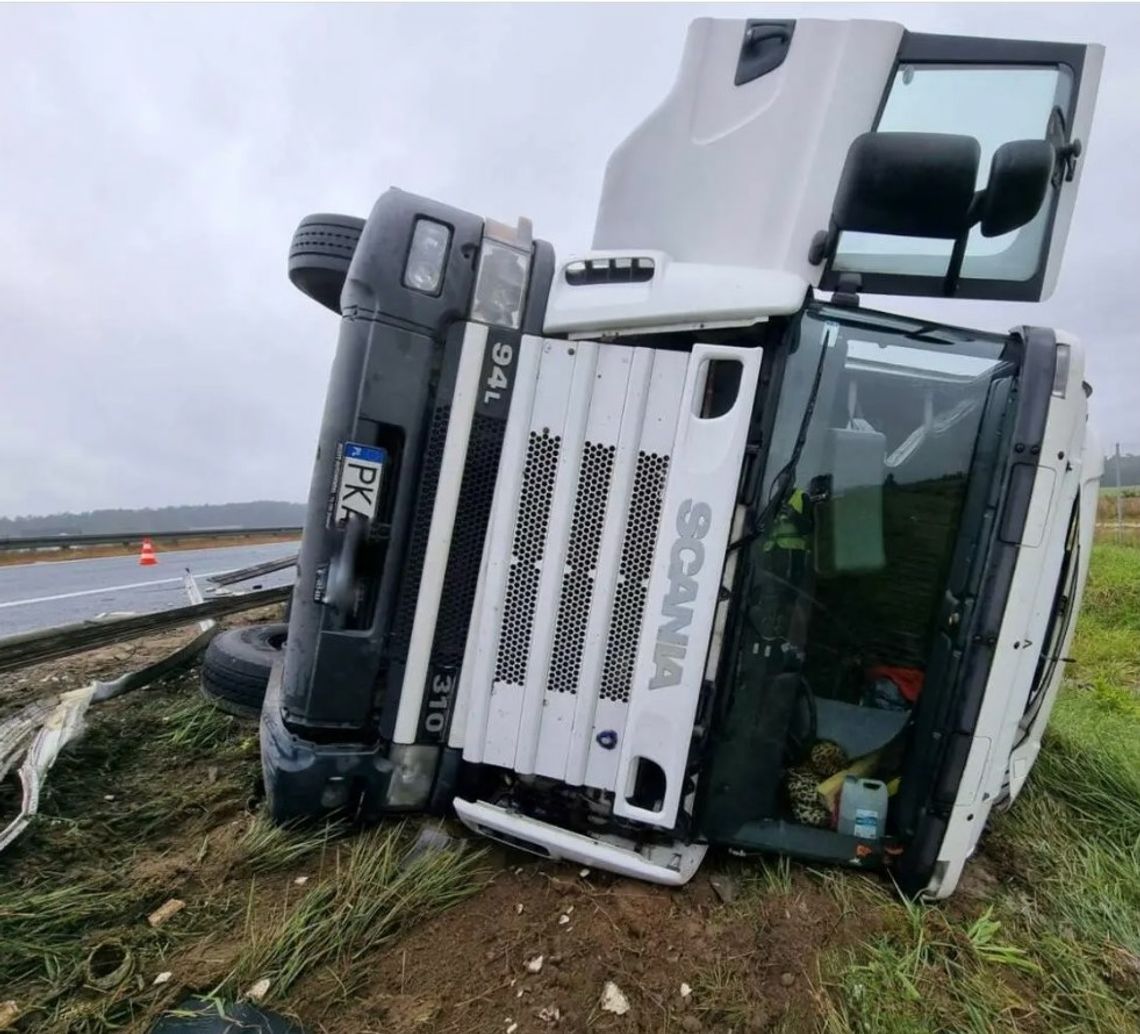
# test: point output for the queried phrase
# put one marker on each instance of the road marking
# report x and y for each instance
(108, 588)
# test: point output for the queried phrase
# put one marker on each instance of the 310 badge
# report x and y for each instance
(437, 704)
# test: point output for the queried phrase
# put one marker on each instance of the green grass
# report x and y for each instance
(179, 775)
(374, 888)
(1057, 948)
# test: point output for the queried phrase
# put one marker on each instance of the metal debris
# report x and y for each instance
(38, 732)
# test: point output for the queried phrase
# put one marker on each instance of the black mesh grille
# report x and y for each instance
(472, 515)
(594, 476)
(526, 556)
(633, 575)
(421, 526)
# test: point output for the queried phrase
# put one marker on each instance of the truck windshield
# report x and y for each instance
(842, 572)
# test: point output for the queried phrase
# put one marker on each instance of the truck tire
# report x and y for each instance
(235, 670)
(320, 254)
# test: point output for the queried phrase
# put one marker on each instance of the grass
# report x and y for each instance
(374, 888)
(153, 803)
(196, 726)
(267, 848)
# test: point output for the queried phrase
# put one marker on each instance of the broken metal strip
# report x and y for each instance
(245, 574)
(46, 726)
(21, 651)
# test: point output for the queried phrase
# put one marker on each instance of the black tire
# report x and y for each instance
(235, 670)
(319, 256)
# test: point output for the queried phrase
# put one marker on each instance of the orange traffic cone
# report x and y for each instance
(147, 557)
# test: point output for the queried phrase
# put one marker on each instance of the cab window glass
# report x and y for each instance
(994, 105)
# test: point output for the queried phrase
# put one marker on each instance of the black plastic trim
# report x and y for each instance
(976, 635)
(384, 379)
(934, 48)
(763, 49)
(538, 293)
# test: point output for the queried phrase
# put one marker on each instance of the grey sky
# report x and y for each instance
(155, 160)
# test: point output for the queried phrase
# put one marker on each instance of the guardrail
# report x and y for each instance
(127, 538)
(27, 648)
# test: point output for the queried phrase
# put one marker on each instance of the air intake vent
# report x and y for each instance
(581, 562)
(633, 575)
(472, 513)
(421, 526)
(610, 271)
(526, 556)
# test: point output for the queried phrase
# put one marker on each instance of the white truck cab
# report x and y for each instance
(657, 548)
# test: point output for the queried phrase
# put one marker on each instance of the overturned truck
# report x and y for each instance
(681, 542)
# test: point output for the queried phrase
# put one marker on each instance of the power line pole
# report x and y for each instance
(1119, 499)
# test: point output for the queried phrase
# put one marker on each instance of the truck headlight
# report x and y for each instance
(500, 284)
(423, 271)
(412, 776)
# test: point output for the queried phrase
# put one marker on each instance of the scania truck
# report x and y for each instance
(687, 540)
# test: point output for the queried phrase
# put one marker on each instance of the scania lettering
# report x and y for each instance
(685, 561)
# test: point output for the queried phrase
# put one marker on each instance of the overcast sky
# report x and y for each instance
(155, 160)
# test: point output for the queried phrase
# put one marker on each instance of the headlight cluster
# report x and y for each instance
(500, 280)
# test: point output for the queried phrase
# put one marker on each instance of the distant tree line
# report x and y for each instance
(1129, 470)
(260, 514)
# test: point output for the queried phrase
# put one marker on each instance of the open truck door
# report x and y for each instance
(759, 157)
(558, 606)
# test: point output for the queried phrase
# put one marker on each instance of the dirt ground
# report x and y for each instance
(160, 799)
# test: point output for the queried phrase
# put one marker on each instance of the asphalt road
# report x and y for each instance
(44, 594)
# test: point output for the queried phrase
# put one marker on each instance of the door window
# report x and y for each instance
(994, 106)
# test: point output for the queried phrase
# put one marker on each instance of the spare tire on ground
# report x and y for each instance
(235, 669)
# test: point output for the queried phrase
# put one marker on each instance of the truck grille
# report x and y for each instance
(526, 556)
(633, 575)
(594, 476)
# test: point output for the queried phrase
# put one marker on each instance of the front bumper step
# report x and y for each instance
(669, 865)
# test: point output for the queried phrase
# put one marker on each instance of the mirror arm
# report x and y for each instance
(958, 254)
(954, 267)
(823, 243)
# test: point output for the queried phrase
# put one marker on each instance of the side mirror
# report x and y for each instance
(923, 185)
(908, 184)
(1020, 174)
(903, 184)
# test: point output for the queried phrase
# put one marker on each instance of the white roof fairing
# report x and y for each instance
(745, 175)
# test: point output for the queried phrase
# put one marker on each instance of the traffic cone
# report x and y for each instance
(147, 557)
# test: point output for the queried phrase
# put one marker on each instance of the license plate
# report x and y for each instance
(361, 472)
